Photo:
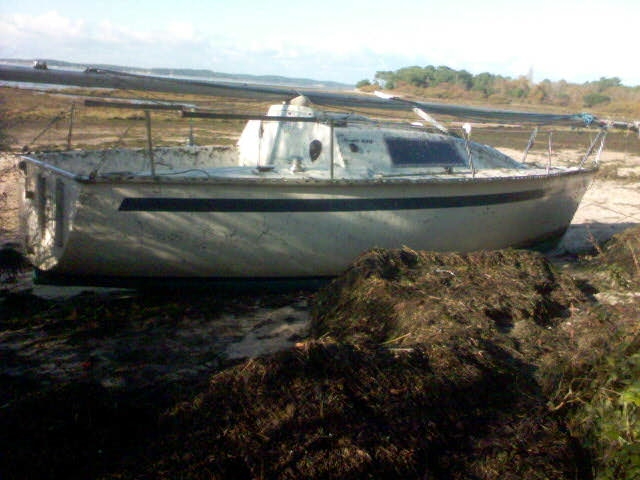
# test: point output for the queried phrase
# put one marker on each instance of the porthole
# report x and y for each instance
(315, 149)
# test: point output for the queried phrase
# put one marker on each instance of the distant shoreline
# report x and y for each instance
(189, 73)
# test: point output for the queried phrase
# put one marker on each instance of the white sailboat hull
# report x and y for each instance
(291, 228)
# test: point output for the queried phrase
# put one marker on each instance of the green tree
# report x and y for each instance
(464, 79)
(605, 83)
(484, 82)
(413, 76)
(592, 99)
(539, 93)
(444, 75)
(518, 88)
(385, 78)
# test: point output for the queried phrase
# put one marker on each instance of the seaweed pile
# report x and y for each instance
(417, 365)
(617, 264)
(12, 262)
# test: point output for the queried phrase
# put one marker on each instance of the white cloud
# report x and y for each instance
(106, 32)
(181, 32)
(49, 24)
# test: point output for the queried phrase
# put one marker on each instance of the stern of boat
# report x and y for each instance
(48, 208)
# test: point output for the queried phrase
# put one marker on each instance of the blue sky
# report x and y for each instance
(346, 41)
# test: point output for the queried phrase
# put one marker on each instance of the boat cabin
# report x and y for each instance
(299, 143)
(354, 145)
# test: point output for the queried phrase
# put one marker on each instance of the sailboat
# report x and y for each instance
(303, 193)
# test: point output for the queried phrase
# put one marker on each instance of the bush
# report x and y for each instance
(595, 99)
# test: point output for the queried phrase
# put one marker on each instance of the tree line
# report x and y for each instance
(606, 94)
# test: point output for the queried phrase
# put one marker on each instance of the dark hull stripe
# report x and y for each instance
(283, 205)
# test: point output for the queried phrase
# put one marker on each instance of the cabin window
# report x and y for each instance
(315, 149)
(415, 152)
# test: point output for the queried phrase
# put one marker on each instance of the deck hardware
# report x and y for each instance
(72, 115)
(466, 129)
(532, 139)
(599, 138)
(550, 151)
(152, 163)
(331, 140)
(53, 121)
(296, 165)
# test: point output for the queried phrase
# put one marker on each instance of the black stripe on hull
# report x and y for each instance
(282, 205)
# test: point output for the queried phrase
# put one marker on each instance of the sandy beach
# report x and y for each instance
(608, 207)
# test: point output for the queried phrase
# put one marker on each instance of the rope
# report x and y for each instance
(55, 120)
